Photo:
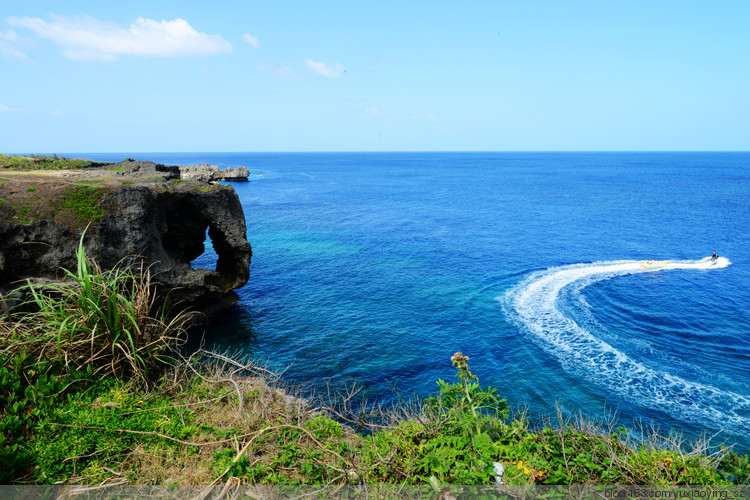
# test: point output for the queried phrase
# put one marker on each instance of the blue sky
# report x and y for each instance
(86, 76)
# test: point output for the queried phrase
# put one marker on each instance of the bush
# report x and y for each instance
(107, 320)
(98, 323)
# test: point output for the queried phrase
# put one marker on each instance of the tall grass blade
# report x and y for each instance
(108, 320)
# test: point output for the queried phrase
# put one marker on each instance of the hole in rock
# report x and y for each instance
(190, 239)
(209, 258)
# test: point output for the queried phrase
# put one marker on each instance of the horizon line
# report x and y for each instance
(537, 151)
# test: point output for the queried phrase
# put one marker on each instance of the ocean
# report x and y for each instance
(375, 268)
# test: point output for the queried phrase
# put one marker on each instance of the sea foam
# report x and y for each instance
(536, 305)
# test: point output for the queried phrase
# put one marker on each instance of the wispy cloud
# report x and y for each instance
(9, 45)
(278, 71)
(373, 111)
(86, 38)
(9, 109)
(335, 70)
(252, 40)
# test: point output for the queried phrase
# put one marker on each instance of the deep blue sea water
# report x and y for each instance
(377, 267)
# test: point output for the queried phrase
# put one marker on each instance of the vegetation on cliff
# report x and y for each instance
(94, 391)
(84, 200)
(42, 162)
(135, 210)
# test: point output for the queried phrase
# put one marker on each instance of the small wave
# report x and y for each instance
(535, 305)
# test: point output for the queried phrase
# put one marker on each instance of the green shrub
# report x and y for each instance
(41, 162)
(324, 427)
(734, 468)
(64, 338)
(29, 388)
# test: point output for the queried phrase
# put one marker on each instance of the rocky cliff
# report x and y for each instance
(152, 217)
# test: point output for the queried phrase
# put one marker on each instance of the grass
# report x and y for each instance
(41, 162)
(96, 326)
(100, 319)
(94, 392)
(29, 199)
(84, 200)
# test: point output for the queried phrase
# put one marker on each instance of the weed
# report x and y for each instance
(212, 419)
(466, 406)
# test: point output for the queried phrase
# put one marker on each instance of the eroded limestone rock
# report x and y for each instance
(161, 225)
(209, 173)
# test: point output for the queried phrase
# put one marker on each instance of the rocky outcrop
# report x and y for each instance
(155, 171)
(162, 225)
(209, 173)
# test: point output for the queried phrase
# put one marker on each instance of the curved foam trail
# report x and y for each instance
(534, 304)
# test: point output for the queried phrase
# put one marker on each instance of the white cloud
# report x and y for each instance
(334, 70)
(85, 38)
(8, 45)
(56, 112)
(252, 40)
(10, 35)
(3, 108)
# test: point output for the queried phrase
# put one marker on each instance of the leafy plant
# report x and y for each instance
(735, 468)
(466, 407)
(28, 390)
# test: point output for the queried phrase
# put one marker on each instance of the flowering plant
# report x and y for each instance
(467, 406)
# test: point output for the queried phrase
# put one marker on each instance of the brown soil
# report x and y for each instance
(33, 195)
(39, 195)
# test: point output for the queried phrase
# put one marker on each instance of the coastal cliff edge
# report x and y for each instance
(137, 213)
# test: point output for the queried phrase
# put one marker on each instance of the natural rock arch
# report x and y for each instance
(160, 226)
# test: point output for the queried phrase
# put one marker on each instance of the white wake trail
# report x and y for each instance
(534, 304)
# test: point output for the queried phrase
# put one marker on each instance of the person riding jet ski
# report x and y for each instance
(714, 257)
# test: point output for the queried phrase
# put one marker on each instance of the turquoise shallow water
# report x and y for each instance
(377, 267)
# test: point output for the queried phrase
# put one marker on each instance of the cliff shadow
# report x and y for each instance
(192, 238)
(232, 331)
